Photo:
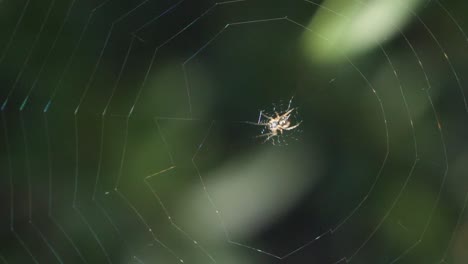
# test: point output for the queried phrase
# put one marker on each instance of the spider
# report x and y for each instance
(275, 126)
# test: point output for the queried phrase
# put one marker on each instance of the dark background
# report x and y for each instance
(125, 130)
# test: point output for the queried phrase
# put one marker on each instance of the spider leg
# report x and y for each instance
(255, 124)
(260, 116)
(272, 142)
(269, 117)
(290, 101)
(288, 112)
(293, 127)
(269, 135)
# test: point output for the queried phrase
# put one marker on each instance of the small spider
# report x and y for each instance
(275, 126)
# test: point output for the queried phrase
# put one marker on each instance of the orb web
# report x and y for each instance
(129, 133)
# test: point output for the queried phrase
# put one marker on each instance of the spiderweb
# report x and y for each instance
(128, 138)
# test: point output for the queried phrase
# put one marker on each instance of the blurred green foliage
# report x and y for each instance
(126, 135)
